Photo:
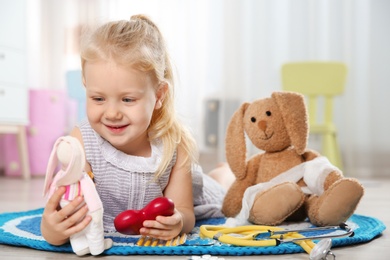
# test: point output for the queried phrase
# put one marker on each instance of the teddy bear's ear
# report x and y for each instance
(294, 114)
(235, 143)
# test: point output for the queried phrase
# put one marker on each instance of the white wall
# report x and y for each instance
(379, 87)
(233, 49)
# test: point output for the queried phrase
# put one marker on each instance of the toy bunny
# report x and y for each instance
(286, 181)
(69, 153)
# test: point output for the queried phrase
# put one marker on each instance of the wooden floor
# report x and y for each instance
(19, 195)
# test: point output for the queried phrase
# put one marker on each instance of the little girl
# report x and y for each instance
(134, 144)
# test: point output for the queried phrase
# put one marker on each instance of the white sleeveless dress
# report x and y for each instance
(127, 182)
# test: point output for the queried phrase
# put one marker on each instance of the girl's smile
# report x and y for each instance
(117, 129)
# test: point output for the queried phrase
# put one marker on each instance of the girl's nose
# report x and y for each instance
(113, 113)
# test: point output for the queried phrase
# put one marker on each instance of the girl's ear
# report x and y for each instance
(160, 95)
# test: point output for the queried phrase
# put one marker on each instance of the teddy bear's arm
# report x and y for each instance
(233, 200)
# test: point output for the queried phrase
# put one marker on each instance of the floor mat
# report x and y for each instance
(23, 229)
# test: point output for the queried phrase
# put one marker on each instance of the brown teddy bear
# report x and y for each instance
(286, 182)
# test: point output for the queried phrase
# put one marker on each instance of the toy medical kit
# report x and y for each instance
(262, 236)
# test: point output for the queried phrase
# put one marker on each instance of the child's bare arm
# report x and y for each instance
(179, 190)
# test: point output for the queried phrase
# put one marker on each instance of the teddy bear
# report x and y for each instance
(284, 181)
(69, 154)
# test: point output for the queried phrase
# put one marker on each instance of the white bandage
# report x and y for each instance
(292, 175)
(313, 172)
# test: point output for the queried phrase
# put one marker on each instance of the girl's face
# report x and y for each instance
(120, 104)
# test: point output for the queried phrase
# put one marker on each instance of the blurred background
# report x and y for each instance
(225, 52)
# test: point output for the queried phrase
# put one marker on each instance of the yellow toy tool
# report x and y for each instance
(253, 235)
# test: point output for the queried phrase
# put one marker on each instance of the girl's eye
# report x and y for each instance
(98, 99)
(127, 100)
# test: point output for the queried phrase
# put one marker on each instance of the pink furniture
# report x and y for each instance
(48, 121)
(20, 144)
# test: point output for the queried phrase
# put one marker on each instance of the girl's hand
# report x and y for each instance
(59, 224)
(164, 228)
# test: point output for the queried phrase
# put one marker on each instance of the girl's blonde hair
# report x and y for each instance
(139, 44)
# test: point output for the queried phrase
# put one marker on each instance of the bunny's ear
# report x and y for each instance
(294, 114)
(51, 166)
(235, 143)
(76, 165)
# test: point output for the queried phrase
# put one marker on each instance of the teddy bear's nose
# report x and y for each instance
(262, 125)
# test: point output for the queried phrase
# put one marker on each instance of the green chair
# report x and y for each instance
(319, 81)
